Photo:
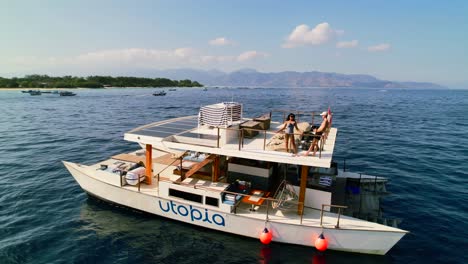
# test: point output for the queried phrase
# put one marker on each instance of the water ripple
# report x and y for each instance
(416, 138)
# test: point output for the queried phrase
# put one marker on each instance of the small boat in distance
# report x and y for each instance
(67, 93)
(173, 89)
(35, 92)
(205, 89)
(226, 172)
(161, 93)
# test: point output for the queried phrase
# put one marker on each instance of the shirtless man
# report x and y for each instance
(318, 134)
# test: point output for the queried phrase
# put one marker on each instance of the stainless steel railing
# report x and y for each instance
(339, 213)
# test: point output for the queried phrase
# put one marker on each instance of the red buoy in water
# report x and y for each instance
(266, 236)
(321, 243)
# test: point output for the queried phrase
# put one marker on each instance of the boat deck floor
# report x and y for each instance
(164, 165)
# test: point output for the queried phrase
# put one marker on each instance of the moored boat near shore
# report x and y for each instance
(160, 93)
(226, 172)
(67, 93)
(36, 92)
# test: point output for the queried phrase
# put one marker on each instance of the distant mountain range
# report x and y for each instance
(253, 78)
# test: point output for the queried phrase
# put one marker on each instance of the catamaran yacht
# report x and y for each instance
(220, 170)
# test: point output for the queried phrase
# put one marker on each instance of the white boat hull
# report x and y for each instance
(351, 240)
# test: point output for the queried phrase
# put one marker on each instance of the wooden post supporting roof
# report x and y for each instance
(149, 163)
(215, 169)
(182, 173)
(302, 190)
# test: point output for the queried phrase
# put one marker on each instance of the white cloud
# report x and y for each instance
(184, 52)
(142, 57)
(25, 60)
(220, 42)
(33, 61)
(249, 55)
(379, 47)
(347, 44)
(135, 55)
(302, 35)
(112, 60)
(217, 59)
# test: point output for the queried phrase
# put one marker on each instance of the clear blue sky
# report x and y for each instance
(392, 40)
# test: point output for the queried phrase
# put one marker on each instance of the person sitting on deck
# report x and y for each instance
(318, 134)
(289, 125)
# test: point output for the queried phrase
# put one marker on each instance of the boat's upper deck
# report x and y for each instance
(241, 139)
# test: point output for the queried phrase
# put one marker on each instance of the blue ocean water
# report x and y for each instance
(416, 138)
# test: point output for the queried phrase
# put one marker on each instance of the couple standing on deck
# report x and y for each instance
(291, 123)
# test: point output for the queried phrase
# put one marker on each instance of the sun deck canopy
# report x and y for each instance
(184, 133)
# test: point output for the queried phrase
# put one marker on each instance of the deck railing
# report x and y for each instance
(267, 204)
(339, 213)
(241, 138)
(243, 132)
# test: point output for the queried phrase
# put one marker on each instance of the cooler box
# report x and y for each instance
(250, 124)
(264, 121)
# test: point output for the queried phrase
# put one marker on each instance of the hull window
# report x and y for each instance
(211, 201)
(186, 196)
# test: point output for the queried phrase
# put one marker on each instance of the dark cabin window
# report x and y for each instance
(211, 201)
(186, 196)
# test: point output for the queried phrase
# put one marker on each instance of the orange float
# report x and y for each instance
(321, 243)
(266, 236)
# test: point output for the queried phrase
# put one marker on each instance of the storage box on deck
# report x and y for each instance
(249, 133)
(264, 121)
(237, 186)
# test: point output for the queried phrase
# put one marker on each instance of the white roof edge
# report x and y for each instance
(272, 156)
(257, 154)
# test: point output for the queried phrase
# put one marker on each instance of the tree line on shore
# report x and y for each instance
(45, 81)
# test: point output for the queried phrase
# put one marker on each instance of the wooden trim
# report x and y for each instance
(199, 165)
(129, 157)
(149, 163)
(302, 190)
(215, 169)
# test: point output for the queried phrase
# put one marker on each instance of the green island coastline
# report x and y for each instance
(45, 81)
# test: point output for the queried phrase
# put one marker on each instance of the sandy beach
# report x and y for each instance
(43, 89)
